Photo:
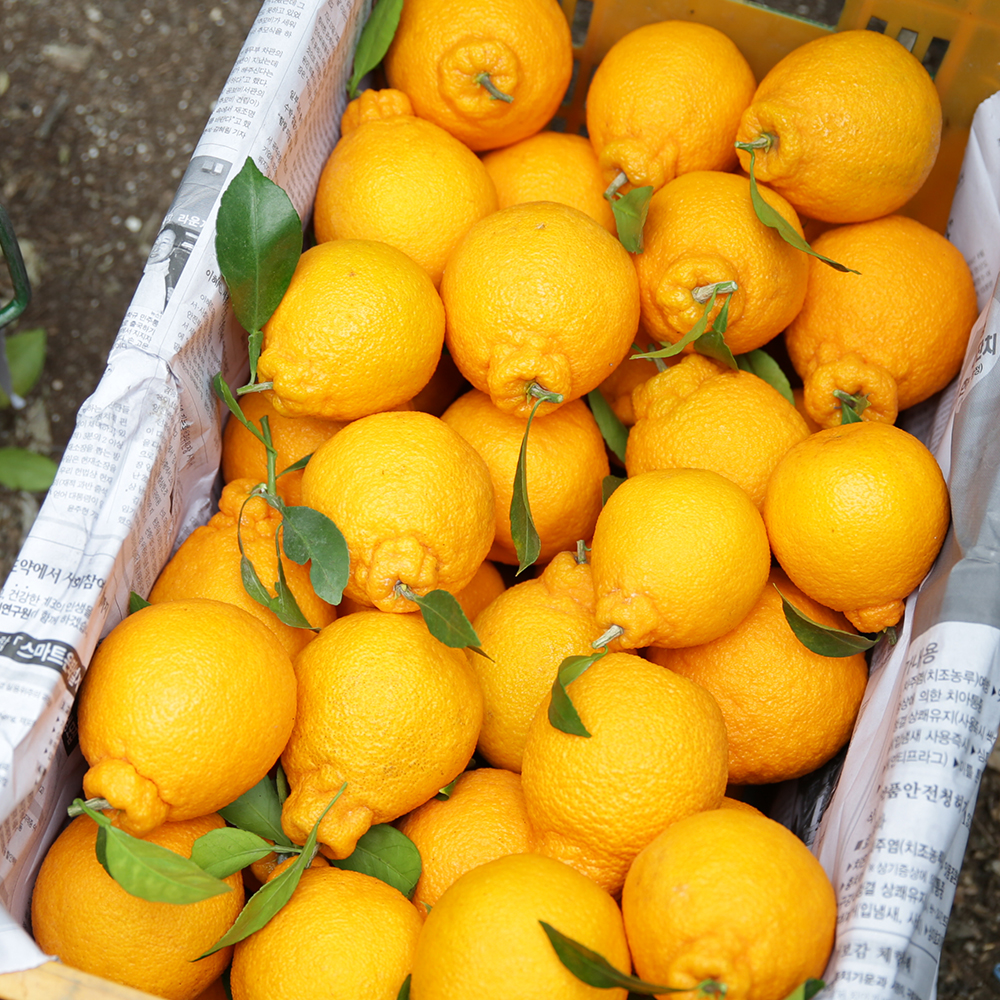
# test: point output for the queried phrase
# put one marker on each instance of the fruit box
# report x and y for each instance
(888, 818)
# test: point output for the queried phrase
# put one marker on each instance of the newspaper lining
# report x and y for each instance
(141, 472)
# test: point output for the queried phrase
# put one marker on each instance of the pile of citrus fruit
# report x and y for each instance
(562, 566)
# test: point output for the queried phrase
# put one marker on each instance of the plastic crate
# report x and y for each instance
(958, 42)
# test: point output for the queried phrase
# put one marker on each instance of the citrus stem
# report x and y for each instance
(764, 141)
(98, 805)
(581, 552)
(255, 387)
(614, 632)
(535, 391)
(483, 79)
(612, 189)
(402, 590)
(703, 293)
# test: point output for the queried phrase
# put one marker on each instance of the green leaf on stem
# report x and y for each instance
(272, 896)
(614, 432)
(444, 618)
(594, 969)
(21, 469)
(147, 870)
(258, 810)
(25, 359)
(225, 394)
(630, 212)
(136, 603)
(696, 331)
(761, 364)
(773, 219)
(712, 342)
(562, 712)
(374, 41)
(281, 783)
(822, 639)
(309, 536)
(404, 990)
(806, 990)
(608, 485)
(851, 407)
(387, 854)
(258, 242)
(227, 850)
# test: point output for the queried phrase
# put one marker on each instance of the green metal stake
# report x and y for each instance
(17, 305)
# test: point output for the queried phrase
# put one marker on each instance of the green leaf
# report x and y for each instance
(376, 36)
(295, 466)
(608, 485)
(445, 793)
(562, 712)
(228, 850)
(630, 216)
(258, 810)
(306, 535)
(807, 990)
(691, 336)
(281, 783)
(21, 469)
(258, 242)
(522, 527)
(387, 854)
(404, 990)
(712, 342)
(761, 364)
(851, 407)
(149, 871)
(136, 603)
(773, 219)
(822, 639)
(594, 969)
(614, 432)
(25, 358)
(273, 895)
(445, 619)
(225, 394)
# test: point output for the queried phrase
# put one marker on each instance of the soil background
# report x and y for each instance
(101, 105)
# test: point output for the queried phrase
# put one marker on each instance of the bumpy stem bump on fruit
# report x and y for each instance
(614, 632)
(535, 391)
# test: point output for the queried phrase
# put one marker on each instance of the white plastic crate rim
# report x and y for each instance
(890, 827)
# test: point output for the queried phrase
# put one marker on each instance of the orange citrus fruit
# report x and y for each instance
(679, 557)
(856, 515)
(490, 73)
(384, 707)
(414, 501)
(681, 413)
(359, 330)
(702, 229)
(665, 100)
(484, 937)
(551, 166)
(80, 913)
(851, 124)
(208, 564)
(185, 706)
(788, 710)
(730, 896)
(907, 316)
(656, 753)
(483, 818)
(539, 295)
(565, 465)
(342, 935)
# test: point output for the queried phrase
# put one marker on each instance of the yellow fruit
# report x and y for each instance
(566, 463)
(482, 819)
(656, 753)
(414, 501)
(787, 710)
(185, 706)
(730, 896)
(484, 939)
(853, 123)
(539, 294)
(359, 330)
(551, 166)
(908, 314)
(244, 456)
(341, 936)
(207, 564)
(617, 387)
(485, 587)
(702, 229)
(527, 632)
(384, 707)
(856, 515)
(406, 182)
(443, 49)
(665, 100)
(374, 105)
(701, 415)
(739, 805)
(679, 557)
(81, 914)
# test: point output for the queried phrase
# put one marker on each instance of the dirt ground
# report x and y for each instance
(101, 104)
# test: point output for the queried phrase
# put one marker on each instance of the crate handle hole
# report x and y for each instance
(877, 24)
(907, 37)
(580, 24)
(935, 54)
